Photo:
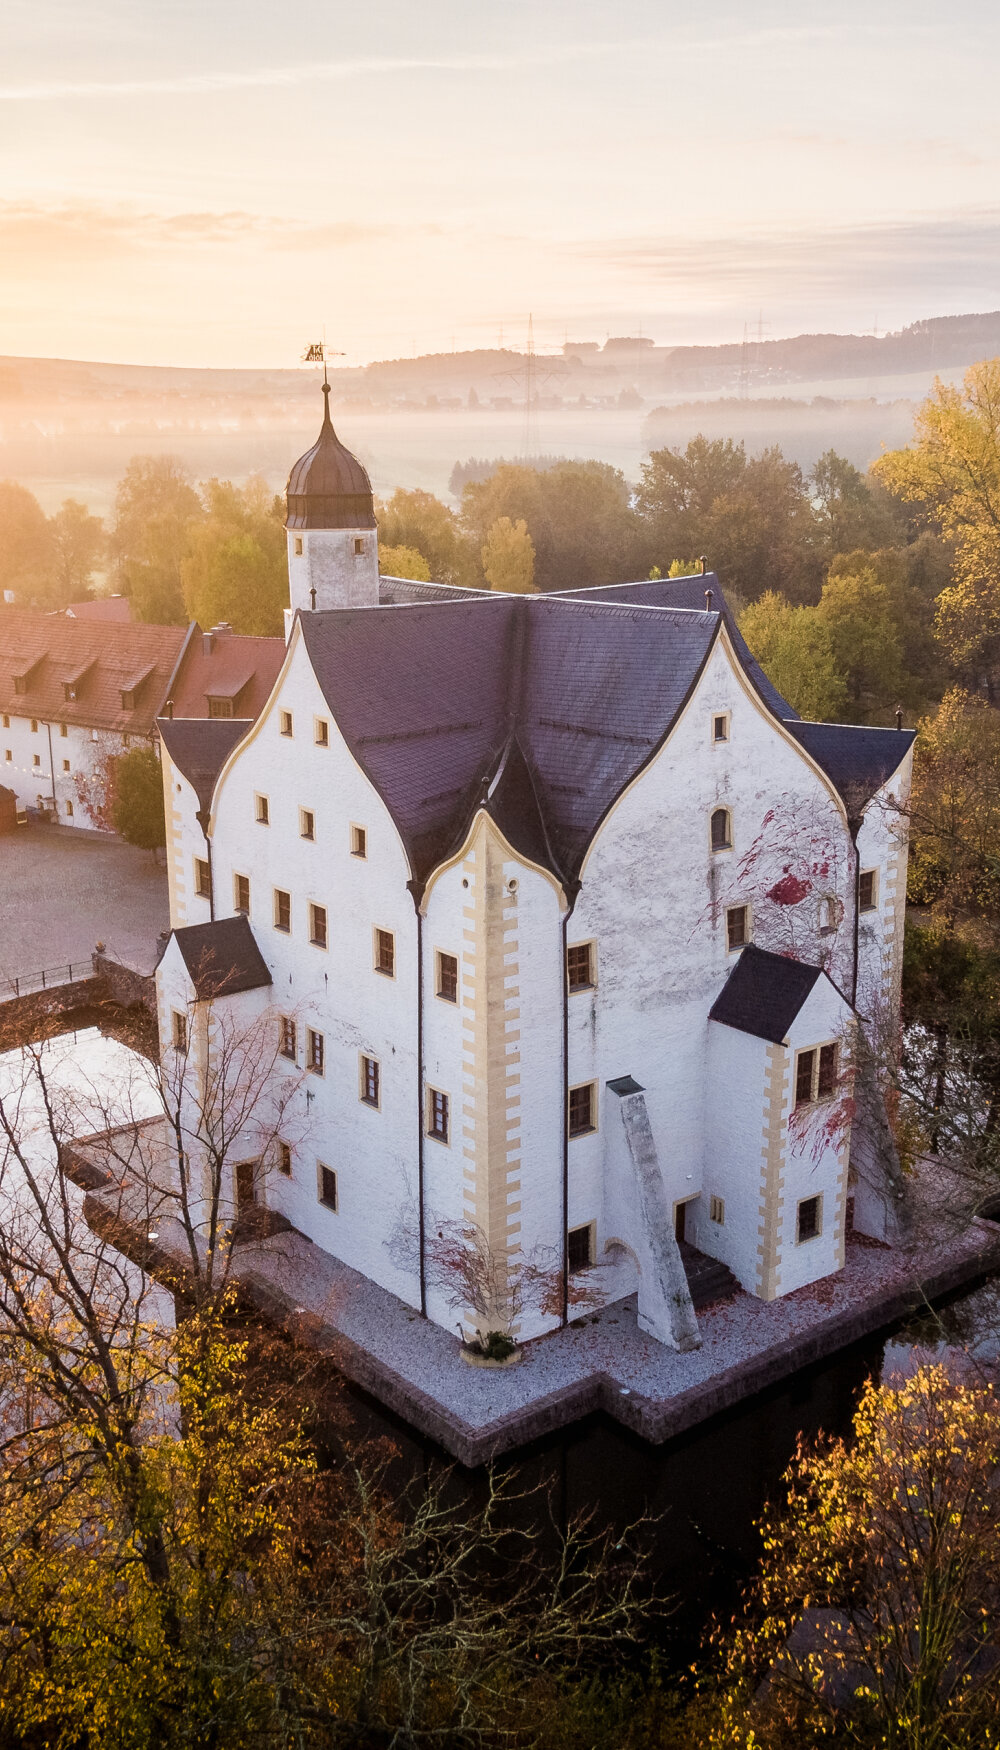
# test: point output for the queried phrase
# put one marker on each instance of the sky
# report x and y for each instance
(219, 181)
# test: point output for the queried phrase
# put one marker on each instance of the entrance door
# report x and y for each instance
(246, 1195)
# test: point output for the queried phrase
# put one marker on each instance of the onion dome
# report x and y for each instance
(327, 487)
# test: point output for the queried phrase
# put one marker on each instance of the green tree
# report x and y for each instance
(851, 511)
(26, 553)
(859, 615)
(509, 557)
(753, 518)
(418, 520)
(578, 515)
(403, 562)
(795, 649)
(78, 546)
(154, 506)
(950, 478)
(138, 814)
(235, 567)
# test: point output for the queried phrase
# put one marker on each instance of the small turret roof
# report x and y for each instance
(328, 488)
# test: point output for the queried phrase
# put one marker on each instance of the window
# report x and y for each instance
(36, 759)
(722, 838)
(359, 842)
(8, 755)
(307, 823)
(581, 1110)
(241, 894)
(807, 1224)
(580, 1248)
(202, 878)
(128, 698)
(315, 1052)
(34, 726)
(286, 723)
(282, 911)
(285, 1159)
(359, 546)
(385, 953)
(370, 1081)
(322, 732)
(717, 1210)
(180, 1030)
(69, 810)
(20, 683)
(65, 765)
(220, 707)
(288, 1037)
(63, 729)
(297, 546)
(327, 1187)
(720, 726)
(447, 977)
(829, 916)
(737, 927)
(126, 741)
(580, 966)
(437, 1115)
(262, 810)
(867, 899)
(6, 720)
(317, 925)
(815, 1075)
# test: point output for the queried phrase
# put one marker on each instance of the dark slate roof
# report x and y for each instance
(857, 759)
(764, 993)
(689, 592)
(199, 747)
(392, 590)
(223, 958)
(327, 487)
(541, 708)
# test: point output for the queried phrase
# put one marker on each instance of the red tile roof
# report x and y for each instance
(230, 667)
(117, 608)
(45, 657)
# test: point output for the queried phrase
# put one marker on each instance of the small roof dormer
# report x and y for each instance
(328, 488)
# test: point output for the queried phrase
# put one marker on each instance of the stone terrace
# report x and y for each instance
(64, 889)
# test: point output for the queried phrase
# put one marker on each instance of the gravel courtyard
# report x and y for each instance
(63, 889)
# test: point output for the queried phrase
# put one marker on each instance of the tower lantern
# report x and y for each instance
(331, 527)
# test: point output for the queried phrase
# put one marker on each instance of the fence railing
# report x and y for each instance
(71, 972)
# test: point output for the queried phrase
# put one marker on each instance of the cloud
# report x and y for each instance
(930, 250)
(41, 232)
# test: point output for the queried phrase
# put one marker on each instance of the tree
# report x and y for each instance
(235, 568)
(877, 1613)
(419, 520)
(509, 557)
(753, 517)
(578, 515)
(955, 814)
(78, 545)
(795, 649)
(175, 1568)
(858, 614)
(852, 512)
(950, 476)
(26, 552)
(403, 562)
(154, 506)
(138, 813)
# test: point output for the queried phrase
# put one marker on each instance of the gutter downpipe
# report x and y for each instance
(52, 771)
(416, 889)
(202, 817)
(854, 827)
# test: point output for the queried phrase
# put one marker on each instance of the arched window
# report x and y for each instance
(722, 837)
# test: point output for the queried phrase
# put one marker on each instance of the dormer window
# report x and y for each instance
(20, 683)
(128, 698)
(218, 707)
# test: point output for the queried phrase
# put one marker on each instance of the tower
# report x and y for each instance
(331, 527)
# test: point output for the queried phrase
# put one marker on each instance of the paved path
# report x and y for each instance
(63, 889)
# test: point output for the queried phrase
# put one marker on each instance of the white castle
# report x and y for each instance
(565, 924)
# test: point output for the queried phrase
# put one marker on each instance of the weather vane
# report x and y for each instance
(317, 353)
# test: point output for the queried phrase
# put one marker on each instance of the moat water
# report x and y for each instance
(702, 1493)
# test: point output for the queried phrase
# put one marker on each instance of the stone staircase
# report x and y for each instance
(708, 1280)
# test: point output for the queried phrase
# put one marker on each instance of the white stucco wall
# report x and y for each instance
(328, 563)
(69, 751)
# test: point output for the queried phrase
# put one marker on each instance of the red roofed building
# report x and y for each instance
(223, 673)
(74, 694)
(114, 608)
